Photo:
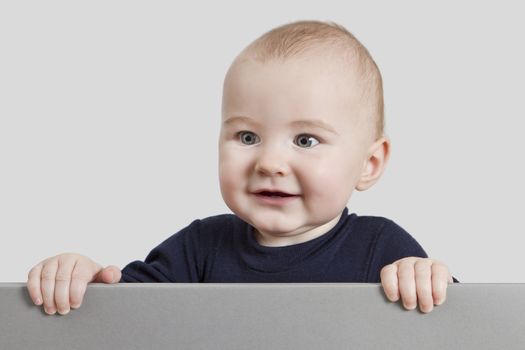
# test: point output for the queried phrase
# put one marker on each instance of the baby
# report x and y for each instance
(302, 127)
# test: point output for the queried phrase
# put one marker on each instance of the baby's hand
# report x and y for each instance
(60, 282)
(416, 279)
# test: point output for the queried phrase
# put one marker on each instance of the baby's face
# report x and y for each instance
(290, 127)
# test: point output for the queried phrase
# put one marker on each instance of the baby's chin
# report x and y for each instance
(279, 237)
(273, 228)
(277, 231)
(279, 225)
(278, 222)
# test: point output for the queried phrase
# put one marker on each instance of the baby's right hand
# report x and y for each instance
(60, 282)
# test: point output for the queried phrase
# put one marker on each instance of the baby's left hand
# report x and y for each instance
(417, 280)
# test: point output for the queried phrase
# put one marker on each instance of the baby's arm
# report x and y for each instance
(60, 282)
(416, 280)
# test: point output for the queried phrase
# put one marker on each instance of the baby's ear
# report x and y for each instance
(374, 165)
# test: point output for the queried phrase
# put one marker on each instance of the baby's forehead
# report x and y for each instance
(311, 76)
(332, 106)
(311, 83)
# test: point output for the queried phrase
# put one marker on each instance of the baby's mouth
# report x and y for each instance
(274, 197)
(274, 194)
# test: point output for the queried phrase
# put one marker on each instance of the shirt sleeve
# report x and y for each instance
(392, 243)
(177, 259)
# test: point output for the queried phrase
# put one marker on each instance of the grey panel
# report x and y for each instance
(265, 316)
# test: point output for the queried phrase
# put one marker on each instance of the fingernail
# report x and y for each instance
(50, 311)
(64, 312)
(427, 309)
(411, 307)
(75, 306)
(38, 301)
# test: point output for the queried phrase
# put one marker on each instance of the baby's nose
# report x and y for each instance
(272, 163)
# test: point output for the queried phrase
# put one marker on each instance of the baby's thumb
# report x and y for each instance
(109, 274)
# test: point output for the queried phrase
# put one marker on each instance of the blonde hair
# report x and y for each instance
(298, 38)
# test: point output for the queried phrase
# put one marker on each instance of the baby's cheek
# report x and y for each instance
(327, 186)
(320, 179)
(227, 179)
(229, 197)
(313, 185)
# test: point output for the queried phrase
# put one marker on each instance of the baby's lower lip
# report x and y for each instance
(275, 200)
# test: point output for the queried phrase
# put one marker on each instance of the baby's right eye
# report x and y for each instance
(247, 137)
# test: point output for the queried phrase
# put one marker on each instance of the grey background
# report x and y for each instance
(109, 117)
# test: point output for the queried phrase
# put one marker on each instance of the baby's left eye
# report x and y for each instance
(305, 140)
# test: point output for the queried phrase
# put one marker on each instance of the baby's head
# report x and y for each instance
(302, 114)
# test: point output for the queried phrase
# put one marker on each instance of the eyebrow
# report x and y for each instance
(315, 123)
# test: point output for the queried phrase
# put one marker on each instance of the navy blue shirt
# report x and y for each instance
(223, 248)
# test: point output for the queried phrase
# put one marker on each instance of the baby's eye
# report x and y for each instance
(305, 140)
(247, 137)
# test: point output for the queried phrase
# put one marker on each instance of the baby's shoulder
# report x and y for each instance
(372, 223)
(216, 226)
(387, 234)
(379, 227)
(202, 232)
(220, 222)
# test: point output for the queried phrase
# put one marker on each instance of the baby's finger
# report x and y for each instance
(110, 274)
(407, 284)
(440, 277)
(423, 278)
(47, 285)
(62, 282)
(33, 284)
(389, 282)
(81, 276)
